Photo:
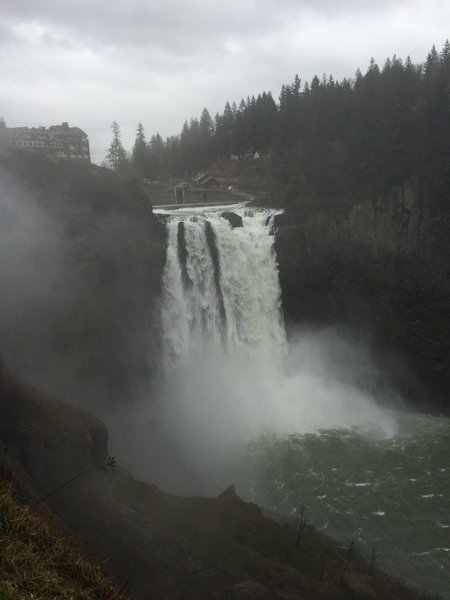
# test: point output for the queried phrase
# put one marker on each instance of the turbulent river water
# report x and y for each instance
(306, 424)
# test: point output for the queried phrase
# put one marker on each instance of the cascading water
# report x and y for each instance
(292, 424)
(221, 288)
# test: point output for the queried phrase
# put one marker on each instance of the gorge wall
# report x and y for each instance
(381, 268)
(81, 256)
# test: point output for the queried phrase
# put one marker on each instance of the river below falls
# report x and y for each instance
(390, 495)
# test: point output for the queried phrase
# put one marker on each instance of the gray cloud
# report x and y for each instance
(7, 36)
(160, 63)
(175, 25)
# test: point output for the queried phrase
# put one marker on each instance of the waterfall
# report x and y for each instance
(228, 374)
(221, 289)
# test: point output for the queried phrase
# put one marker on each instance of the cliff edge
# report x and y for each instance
(380, 267)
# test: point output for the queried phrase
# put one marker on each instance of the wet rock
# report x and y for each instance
(234, 219)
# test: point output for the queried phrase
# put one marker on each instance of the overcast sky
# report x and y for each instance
(91, 61)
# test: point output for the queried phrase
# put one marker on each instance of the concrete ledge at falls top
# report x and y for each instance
(196, 197)
(198, 204)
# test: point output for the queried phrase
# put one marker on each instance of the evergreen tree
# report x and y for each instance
(157, 159)
(432, 60)
(139, 155)
(117, 156)
(173, 158)
(224, 133)
(335, 140)
(206, 126)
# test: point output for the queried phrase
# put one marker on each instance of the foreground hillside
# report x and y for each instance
(153, 544)
(36, 563)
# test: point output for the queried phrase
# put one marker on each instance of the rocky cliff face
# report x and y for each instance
(378, 267)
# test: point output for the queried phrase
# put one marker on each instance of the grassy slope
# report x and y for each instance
(37, 563)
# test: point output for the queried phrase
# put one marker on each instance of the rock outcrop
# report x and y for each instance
(381, 267)
(234, 219)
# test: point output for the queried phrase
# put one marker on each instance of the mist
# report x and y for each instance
(212, 406)
(229, 376)
(79, 268)
(31, 268)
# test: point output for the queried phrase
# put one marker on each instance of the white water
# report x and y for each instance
(191, 310)
(230, 375)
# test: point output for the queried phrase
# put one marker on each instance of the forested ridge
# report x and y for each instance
(327, 139)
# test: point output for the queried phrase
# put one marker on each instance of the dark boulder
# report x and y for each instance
(234, 219)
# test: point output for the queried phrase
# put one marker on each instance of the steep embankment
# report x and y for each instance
(80, 263)
(253, 175)
(380, 267)
(38, 563)
(161, 546)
